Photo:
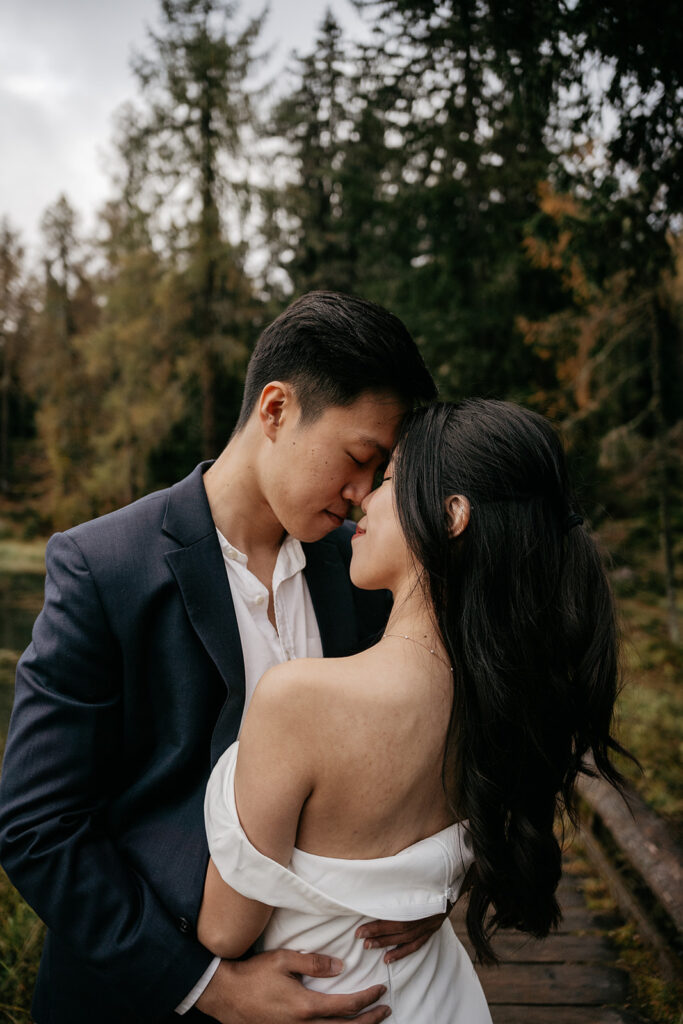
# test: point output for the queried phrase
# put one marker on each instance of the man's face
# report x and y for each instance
(315, 472)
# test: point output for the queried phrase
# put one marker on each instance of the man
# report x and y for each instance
(158, 621)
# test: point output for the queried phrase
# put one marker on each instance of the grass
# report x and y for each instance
(21, 939)
(650, 709)
(21, 931)
(23, 556)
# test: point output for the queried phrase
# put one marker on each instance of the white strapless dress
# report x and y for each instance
(321, 901)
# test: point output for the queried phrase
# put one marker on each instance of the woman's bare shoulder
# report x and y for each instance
(313, 690)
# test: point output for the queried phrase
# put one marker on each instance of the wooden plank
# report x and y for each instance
(644, 839)
(554, 1015)
(574, 919)
(630, 907)
(569, 895)
(518, 948)
(553, 984)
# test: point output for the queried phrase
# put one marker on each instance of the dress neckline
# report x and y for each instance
(441, 836)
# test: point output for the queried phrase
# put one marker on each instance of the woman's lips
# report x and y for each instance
(358, 533)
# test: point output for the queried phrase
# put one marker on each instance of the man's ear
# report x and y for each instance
(457, 514)
(275, 404)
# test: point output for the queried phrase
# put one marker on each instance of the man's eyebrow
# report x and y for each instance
(371, 442)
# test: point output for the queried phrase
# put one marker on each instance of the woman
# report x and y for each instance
(373, 786)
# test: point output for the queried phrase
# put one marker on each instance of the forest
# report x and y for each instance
(507, 184)
(504, 177)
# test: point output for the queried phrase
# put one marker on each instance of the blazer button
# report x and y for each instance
(184, 925)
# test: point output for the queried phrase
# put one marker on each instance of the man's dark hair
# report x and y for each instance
(333, 348)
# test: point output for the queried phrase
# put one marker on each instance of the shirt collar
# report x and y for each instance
(290, 560)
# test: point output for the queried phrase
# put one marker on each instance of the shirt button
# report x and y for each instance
(258, 599)
(184, 925)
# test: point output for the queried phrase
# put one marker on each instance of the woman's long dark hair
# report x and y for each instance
(525, 611)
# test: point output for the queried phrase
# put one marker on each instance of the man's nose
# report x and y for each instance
(357, 490)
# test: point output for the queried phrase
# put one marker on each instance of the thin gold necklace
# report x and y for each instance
(404, 636)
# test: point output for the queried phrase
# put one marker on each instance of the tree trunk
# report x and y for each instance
(5, 383)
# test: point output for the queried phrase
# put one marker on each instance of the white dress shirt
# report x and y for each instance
(297, 636)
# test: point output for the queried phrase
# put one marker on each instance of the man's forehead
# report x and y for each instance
(372, 442)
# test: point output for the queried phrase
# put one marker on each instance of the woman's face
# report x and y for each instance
(381, 557)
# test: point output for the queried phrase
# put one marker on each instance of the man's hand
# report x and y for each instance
(267, 989)
(404, 936)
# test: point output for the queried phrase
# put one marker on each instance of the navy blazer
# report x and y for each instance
(132, 687)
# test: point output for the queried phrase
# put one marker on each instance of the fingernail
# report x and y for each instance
(371, 944)
(336, 965)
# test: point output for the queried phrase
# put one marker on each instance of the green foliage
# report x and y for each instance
(132, 360)
(329, 224)
(456, 168)
(21, 938)
(650, 710)
(466, 95)
(640, 54)
(15, 410)
(191, 130)
(54, 374)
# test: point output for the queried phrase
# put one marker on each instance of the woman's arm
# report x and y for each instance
(273, 779)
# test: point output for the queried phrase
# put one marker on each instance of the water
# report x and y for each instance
(21, 598)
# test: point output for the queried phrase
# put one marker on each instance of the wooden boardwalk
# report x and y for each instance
(568, 978)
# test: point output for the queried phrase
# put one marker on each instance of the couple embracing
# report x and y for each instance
(430, 684)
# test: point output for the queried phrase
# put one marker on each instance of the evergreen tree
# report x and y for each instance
(15, 313)
(331, 215)
(55, 372)
(190, 138)
(468, 91)
(131, 359)
(638, 50)
(615, 351)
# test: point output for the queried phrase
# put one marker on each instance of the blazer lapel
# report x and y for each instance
(199, 571)
(328, 583)
(201, 577)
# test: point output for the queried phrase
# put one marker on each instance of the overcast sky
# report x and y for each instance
(64, 69)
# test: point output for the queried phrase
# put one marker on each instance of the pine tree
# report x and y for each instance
(190, 138)
(325, 212)
(15, 312)
(55, 373)
(131, 358)
(468, 91)
(615, 355)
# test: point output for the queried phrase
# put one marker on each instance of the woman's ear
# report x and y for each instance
(457, 514)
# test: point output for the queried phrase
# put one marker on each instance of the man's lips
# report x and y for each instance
(339, 519)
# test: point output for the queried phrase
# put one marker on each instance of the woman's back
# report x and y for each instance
(374, 732)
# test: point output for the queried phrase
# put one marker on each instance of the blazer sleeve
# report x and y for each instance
(63, 749)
